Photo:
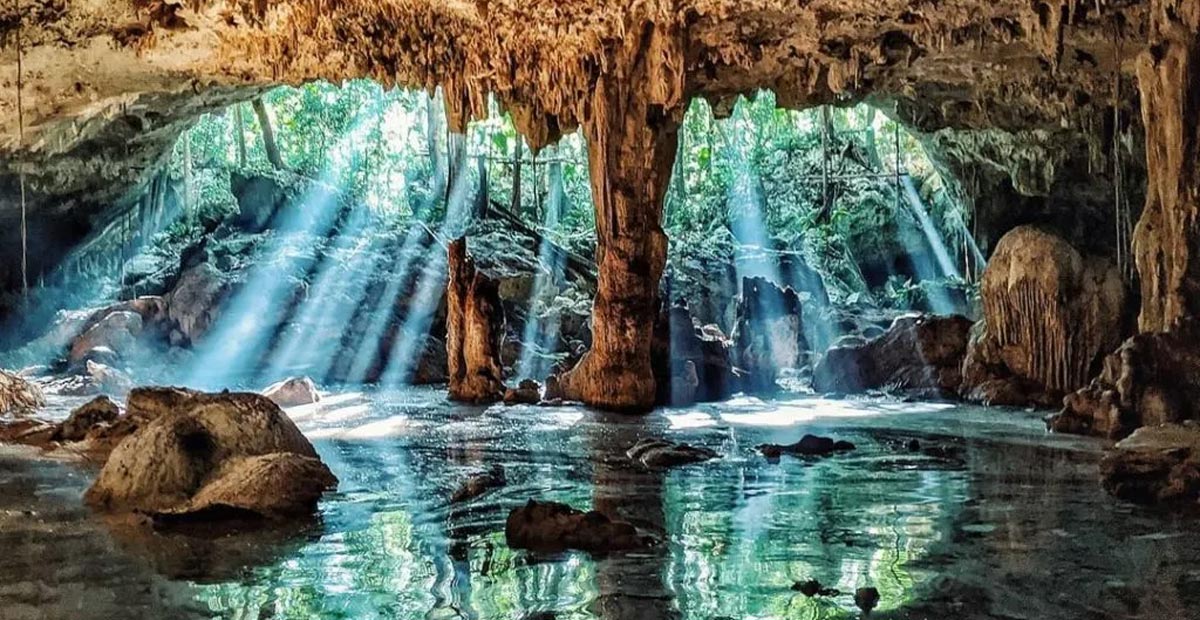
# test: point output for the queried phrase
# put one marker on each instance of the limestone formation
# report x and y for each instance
(211, 455)
(528, 392)
(1152, 379)
(474, 322)
(917, 354)
(293, 392)
(768, 336)
(18, 396)
(554, 527)
(1156, 464)
(1050, 311)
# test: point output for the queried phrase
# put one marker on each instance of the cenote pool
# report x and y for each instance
(991, 519)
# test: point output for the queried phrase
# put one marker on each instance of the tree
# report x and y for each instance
(268, 134)
(239, 124)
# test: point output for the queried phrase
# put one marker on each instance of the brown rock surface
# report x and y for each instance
(917, 353)
(211, 451)
(293, 392)
(99, 410)
(18, 396)
(1156, 464)
(474, 323)
(554, 527)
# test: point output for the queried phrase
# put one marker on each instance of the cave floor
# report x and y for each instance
(991, 518)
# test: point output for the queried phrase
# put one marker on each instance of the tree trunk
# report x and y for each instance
(239, 134)
(632, 141)
(1167, 238)
(872, 142)
(516, 183)
(554, 200)
(188, 205)
(482, 198)
(268, 133)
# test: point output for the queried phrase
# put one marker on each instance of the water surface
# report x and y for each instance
(999, 521)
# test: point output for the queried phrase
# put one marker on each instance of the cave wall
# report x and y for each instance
(1011, 94)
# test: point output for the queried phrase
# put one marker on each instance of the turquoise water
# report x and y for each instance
(1002, 522)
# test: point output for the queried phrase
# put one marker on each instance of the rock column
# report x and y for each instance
(474, 322)
(631, 124)
(1167, 239)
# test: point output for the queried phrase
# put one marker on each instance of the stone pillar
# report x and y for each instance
(631, 126)
(474, 320)
(1167, 239)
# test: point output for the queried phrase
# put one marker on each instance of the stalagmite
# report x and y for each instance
(473, 325)
(631, 127)
(1167, 238)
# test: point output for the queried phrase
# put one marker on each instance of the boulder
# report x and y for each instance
(1051, 312)
(1156, 464)
(293, 392)
(691, 363)
(116, 332)
(655, 453)
(194, 302)
(479, 483)
(553, 527)
(474, 324)
(18, 396)
(1151, 379)
(86, 417)
(211, 455)
(768, 336)
(918, 353)
(528, 392)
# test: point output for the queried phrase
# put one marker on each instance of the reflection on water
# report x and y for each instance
(1004, 522)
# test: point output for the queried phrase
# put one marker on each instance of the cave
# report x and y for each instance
(597, 309)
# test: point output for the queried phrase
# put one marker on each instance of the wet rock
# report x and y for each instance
(108, 379)
(211, 456)
(86, 417)
(809, 445)
(1050, 314)
(28, 432)
(18, 396)
(917, 353)
(293, 392)
(1155, 465)
(116, 332)
(553, 527)
(528, 392)
(194, 303)
(691, 363)
(662, 453)
(149, 403)
(478, 484)
(258, 197)
(866, 599)
(1151, 379)
(768, 336)
(474, 323)
(812, 587)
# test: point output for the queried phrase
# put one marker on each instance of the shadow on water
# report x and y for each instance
(983, 516)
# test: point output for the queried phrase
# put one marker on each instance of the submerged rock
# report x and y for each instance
(293, 392)
(1156, 464)
(809, 445)
(918, 353)
(18, 396)
(477, 484)
(86, 417)
(207, 455)
(1151, 379)
(554, 527)
(812, 587)
(662, 453)
(866, 599)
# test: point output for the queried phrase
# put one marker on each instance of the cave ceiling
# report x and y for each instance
(109, 84)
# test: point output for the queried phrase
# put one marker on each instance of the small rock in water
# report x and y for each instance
(99, 410)
(866, 599)
(528, 392)
(914, 445)
(812, 587)
(554, 527)
(478, 484)
(662, 453)
(809, 445)
(293, 392)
